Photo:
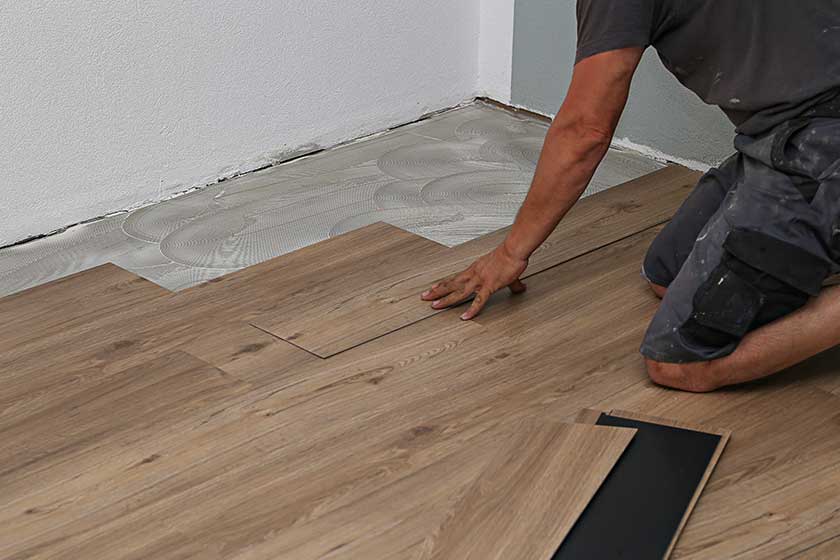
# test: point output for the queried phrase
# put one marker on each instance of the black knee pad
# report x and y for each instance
(759, 279)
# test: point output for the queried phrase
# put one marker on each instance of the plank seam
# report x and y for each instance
(439, 311)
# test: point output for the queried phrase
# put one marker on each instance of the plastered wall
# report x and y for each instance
(109, 105)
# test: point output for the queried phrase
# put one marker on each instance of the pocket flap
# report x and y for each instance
(727, 303)
(783, 261)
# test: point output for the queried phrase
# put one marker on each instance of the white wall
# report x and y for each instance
(496, 49)
(104, 106)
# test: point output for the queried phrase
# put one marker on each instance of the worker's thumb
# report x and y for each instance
(517, 287)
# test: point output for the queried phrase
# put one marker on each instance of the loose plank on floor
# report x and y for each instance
(648, 498)
(342, 310)
(774, 492)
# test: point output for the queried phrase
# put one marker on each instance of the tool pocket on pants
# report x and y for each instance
(724, 308)
(759, 279)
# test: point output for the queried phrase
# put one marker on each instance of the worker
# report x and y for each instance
(741, 267)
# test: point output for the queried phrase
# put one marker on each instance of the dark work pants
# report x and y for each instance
(752, 243)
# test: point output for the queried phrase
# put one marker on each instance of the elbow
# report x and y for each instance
(579, 134)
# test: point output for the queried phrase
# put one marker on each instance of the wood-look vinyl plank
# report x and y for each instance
(35, 366)
(70, 302)
(90, 436)
(327, 313)
(231, 516)
(76, 360)
(590, 416)
(774, 492)
(247, 476)
(530, 495)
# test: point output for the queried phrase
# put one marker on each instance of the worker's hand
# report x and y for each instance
(490, 273)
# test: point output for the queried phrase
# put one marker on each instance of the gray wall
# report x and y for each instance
(661, 113)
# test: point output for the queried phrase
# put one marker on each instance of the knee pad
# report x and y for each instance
(759, 279)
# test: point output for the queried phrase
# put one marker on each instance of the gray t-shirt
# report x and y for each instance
(761, 61)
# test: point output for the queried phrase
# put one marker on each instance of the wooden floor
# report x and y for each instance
(312, 407)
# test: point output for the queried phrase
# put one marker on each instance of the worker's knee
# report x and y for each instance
(696, 377)
(659, 291)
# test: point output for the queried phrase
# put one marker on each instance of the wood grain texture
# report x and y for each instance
(36, 319)
(71, 301)
(293, 458)
(590, 416)
(826, 550)
(344, 310)
(532, 492)
(286, 455)
(48, 456)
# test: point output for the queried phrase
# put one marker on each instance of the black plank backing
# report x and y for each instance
(640, 505)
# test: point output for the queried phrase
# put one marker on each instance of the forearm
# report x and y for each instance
(574, 146)
(783, 343)
(570, 155)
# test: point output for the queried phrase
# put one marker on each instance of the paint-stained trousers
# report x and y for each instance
(751, 244)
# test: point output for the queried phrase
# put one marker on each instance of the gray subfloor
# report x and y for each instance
(450, 178)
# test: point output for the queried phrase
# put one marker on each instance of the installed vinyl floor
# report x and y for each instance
(449, 178)
(140, 423)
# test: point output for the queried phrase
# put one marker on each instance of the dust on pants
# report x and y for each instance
(754, 241)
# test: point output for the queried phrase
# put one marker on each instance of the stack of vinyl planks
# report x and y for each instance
(311, 406)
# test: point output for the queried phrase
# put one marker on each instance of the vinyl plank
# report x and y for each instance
(387, 295)
(528, 498)
(48, 454)
(647, 499)
(774, 492)
(71, 301)
(74, 360)
(34, 362)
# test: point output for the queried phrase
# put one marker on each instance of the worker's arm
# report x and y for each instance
(574, 146)
(765, 351)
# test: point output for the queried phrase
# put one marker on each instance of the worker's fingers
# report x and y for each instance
(517, 287)
(477, 305)
(442, 288)
(454, 298)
